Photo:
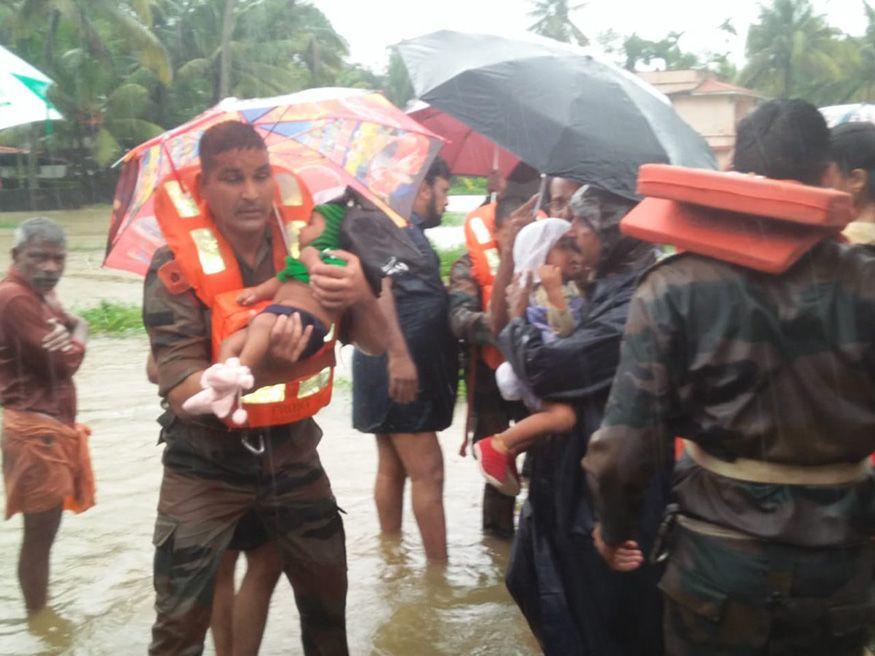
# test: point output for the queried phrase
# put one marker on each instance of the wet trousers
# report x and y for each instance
(207, 487)
(737, 597)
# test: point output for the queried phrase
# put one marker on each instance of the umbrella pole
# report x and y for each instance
(541, 189)
(494, 195)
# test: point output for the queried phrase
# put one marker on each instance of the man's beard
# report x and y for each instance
(432, 217)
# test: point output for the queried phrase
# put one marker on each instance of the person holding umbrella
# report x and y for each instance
(573, 602)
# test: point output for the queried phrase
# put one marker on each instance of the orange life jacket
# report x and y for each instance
(483, 251)
(721, 215)
(207, 263)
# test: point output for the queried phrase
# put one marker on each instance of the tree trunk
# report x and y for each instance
(225, 52)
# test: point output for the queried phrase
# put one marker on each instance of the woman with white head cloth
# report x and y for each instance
(546, 261)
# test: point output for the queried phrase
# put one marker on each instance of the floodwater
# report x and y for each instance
(102, 559)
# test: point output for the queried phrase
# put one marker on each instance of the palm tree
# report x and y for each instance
(789, 49)
(552, 20)
(84, 18)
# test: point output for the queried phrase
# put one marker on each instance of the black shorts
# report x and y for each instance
(317, 338)
(249, 534)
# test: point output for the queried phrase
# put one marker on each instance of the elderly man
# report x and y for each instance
(215, 475)
(45, 454)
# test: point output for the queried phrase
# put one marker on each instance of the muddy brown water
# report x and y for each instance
(102, 560)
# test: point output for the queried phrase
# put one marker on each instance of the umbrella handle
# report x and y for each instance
(541, 189)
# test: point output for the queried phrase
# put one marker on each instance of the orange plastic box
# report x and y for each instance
(750, 241)
(747, 194)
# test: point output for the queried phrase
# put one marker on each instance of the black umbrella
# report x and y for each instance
(561, 111)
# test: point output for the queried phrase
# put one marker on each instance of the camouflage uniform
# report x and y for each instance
(211, 480)
(488, 412)
(778, 369)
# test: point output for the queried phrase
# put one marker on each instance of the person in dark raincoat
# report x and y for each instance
(576, 605)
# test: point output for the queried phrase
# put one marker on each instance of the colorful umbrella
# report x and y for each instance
(466, 152)
(552, 105)
(838, 114)
(331, 138)
(23, 93)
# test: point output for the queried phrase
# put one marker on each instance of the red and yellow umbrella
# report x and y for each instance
(331, 138)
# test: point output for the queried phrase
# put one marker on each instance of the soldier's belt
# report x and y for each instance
(758, 471)
(714, 530)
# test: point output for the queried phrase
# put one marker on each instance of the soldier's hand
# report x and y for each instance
(339, 287)
(58, 339)
(288, 338)
(523, 215)
(518, 294)
(622, 558)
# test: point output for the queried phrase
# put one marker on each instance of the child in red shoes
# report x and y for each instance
(546, 258)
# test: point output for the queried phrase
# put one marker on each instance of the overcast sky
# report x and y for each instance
(371, 25)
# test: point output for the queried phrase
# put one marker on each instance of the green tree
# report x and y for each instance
(244, 48)
(644, 51)
(397, 85)
(553, 20)
(790, 51)
(83, 20)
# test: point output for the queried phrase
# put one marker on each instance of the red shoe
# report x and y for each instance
(499, 469)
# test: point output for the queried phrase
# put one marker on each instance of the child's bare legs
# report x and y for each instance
(554, 418)
(251, 344)
(223, 604)
(252, 603)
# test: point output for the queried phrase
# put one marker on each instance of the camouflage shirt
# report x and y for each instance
(468, 320)
(748, 365)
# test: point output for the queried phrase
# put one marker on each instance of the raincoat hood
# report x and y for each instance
(601, 211)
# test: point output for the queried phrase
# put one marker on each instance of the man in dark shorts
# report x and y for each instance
(214, 475)
(409, 394)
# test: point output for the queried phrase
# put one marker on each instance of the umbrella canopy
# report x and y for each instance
(331, 138)
(22, 93)
(838, 114)
(553, 106)
(466, 152)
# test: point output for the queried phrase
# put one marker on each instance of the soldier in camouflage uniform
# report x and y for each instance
(214, 475)
(488, 412)
(771, 378)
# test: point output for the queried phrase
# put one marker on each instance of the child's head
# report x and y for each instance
(547, 241)
(566, 256)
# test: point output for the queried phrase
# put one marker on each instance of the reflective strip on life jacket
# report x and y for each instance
(208, 262)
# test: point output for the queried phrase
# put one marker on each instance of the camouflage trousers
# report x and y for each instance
(737, 597)
(209, 484)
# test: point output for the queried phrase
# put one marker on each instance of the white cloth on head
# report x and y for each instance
(533, 243)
